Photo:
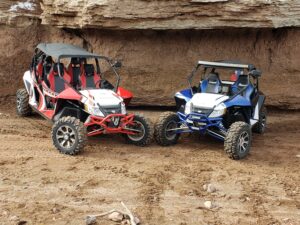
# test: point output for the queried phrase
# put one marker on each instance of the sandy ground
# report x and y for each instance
(160, 185)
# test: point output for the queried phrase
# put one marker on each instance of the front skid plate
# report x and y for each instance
(102, 124)
(201, 123)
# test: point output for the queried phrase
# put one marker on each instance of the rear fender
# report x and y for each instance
(28, 82)
(258, 106)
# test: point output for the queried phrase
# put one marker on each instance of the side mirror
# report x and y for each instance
(117, 65)
(255, 73)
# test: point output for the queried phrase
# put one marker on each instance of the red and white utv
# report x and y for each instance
(77, 98)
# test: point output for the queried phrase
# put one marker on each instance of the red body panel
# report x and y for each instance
(125, 94)
(69, 93)
(103, 121)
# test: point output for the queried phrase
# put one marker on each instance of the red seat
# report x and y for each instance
(58, 83)
(89, 78)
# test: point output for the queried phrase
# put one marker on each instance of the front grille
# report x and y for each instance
(201, 110)
(112, 109)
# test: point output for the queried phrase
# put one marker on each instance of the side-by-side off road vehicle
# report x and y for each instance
(228, 110)
(77, 98)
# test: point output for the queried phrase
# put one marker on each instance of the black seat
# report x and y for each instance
(47, 65)
(212, 84)
(89, 79)
(75, 71)
(58, 83)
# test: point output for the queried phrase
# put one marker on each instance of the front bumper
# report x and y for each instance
(201, 123)
(113, 123)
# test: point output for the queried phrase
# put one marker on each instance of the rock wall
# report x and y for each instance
(156, 63)
(160, 41)
(166, 14)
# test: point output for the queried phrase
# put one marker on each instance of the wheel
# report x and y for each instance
(164, 132)
(238, 140)
(143, 135)
(69, 135)
(23, 107)
(260, 126)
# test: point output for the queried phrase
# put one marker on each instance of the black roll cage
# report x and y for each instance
(108, 60)
(222, 64)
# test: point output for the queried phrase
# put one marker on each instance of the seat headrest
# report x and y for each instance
(213, 77)
(243, 80)
(75, 61)
(61, 68)
(89, 70)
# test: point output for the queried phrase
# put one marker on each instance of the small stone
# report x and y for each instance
(208, 204)
(55, 210)
(14, 218)
(298, 156)
(116, 216)
(89, 220)
(205, 187)
(211, 188)
(22, 222)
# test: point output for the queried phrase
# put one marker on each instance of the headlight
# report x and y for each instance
(188, 107)
(220, 110)
(123, 108)
(95, 111)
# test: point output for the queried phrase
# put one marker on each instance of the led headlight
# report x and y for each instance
(96, 111)
(219, 110)
(188, 107)
(123, 108)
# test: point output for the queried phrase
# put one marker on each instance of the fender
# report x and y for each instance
(258, 106)
(125, 94)
(182, 97)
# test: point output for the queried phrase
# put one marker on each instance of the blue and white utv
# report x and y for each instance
(228, 110)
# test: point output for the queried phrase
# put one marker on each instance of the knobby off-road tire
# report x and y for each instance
(22, 103)
(238, 140)
(167, 120)
(260, 126)
(69, 135)
(144, 137)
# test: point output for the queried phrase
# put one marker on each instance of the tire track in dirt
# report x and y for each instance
(153, 185)
(256, 194)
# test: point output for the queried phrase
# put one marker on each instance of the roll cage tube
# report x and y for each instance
(108, 60)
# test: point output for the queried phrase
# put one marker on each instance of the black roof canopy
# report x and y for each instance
(60, 50)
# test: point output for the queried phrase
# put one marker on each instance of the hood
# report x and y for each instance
(207, 100)
(103, 97)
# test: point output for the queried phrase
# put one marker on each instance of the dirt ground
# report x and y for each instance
(160, 185)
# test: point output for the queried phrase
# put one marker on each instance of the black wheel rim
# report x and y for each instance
(139, 135)
(170, 131)
(65, 136)
(243, 142)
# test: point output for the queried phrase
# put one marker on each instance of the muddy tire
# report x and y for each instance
(69, 135)
(260, 126)
(238, 140)
(22, 103)
(167, 120)
(142, 138)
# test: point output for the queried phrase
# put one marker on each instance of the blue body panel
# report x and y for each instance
(202, 121)
(200, 118)
(185, 94)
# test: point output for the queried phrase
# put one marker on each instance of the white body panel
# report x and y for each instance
(207, 100)
(29, 85)
(103, 97)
